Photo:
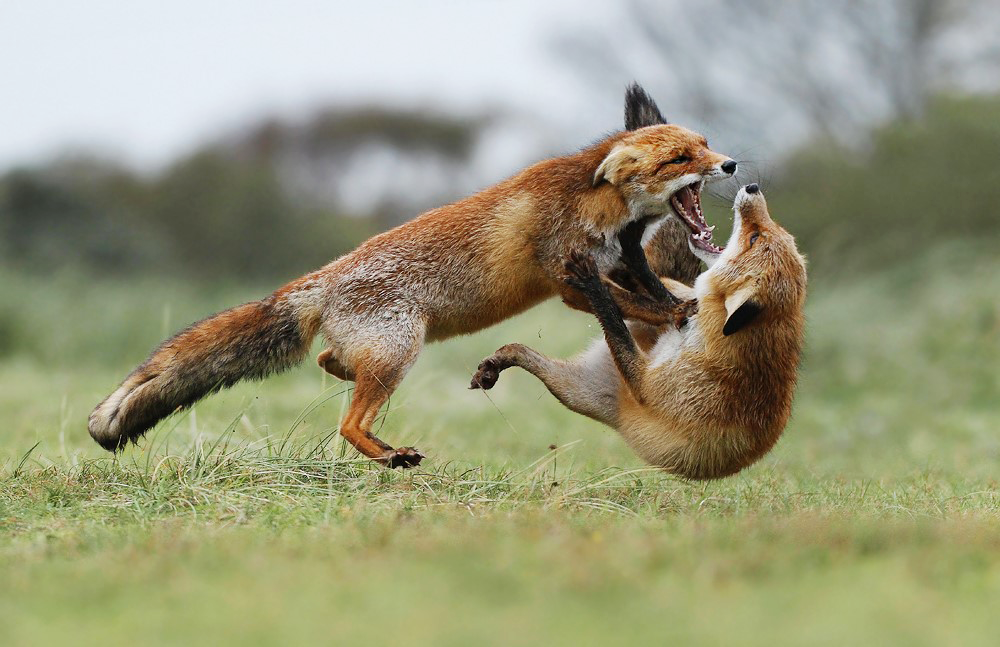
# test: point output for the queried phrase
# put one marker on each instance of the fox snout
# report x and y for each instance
(720, 166)
(748, 194)
(750, 204)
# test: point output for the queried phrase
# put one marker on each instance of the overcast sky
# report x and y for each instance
(145, 81)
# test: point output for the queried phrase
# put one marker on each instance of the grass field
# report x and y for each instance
(876, 520)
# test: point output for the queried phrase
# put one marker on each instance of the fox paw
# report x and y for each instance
(685, 310)
(487, 374)
(404, 457)
(580, 271)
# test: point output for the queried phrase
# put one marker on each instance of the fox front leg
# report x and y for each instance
(583, 275)
(634, 274)
(635, 261)
(639, 306)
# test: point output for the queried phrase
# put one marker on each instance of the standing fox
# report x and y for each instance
(451, 271)
(704, 388)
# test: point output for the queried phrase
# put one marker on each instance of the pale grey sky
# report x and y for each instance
(145, 80)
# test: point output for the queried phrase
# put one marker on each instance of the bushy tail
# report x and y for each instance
(250, 341)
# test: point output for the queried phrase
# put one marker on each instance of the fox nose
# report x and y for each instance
(729, 166)
(752, 188)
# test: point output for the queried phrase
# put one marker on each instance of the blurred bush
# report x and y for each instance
(253, 207)
(919, 184)
(207, 213)
(256, 205)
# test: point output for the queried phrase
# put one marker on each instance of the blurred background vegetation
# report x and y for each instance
(250, 207)
(876, 137)
(262, 207)
(237, 211)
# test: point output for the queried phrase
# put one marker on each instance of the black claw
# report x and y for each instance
(404, 457)
(581, 271)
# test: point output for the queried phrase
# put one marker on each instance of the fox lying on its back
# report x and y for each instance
(709, 388)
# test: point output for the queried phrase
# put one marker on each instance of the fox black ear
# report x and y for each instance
(740, 310)
(743, 315)
(640, 109)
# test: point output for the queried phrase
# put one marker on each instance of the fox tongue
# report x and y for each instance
(687, 204)
(690, 201)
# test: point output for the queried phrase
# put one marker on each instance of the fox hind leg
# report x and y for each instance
(376, 376)
(329, 362)
(587, 385)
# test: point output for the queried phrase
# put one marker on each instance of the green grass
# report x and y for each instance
(876, 520)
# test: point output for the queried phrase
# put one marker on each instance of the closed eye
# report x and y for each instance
(680, 159)
(753, 237)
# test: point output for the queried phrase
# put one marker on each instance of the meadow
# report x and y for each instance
(247, 518)
(876, 519)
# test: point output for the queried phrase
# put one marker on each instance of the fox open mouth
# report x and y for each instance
(687, 205)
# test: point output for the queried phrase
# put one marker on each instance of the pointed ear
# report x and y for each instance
(640, 109)
(740, 310)
(612, 167)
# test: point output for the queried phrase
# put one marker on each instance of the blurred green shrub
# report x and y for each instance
(207, 213)
(918, 185)
(228, 209)
(225, 210)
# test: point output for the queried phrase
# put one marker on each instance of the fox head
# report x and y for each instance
(760, 274)
(653, 161)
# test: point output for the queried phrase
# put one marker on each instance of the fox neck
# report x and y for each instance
(762, 361)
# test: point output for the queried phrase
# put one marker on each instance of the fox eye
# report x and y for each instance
(753, 237)
(680, 159)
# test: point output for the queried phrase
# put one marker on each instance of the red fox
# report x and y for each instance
(701, 386)
(451, 271)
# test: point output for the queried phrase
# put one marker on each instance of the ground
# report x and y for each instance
(875, 520)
